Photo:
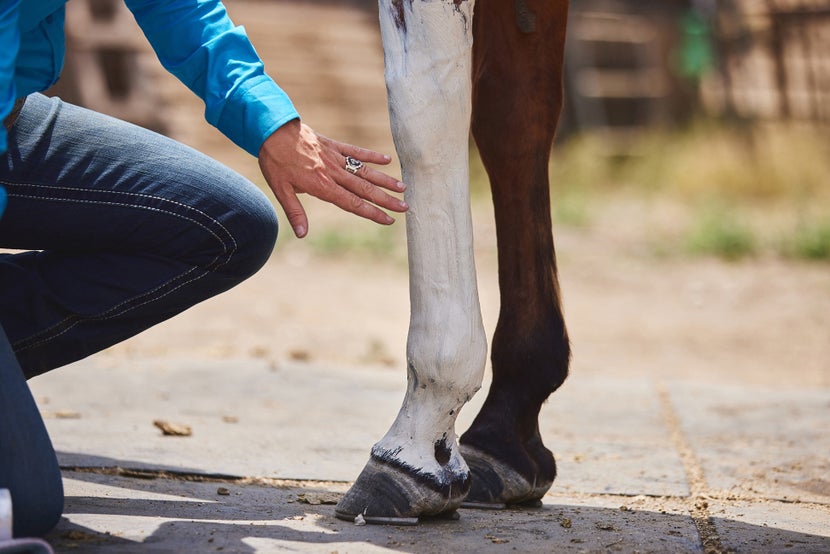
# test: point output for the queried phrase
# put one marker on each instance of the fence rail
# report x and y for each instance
(774, 60)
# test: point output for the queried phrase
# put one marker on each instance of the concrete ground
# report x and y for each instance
(646, 465)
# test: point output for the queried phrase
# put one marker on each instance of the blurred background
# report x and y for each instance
(690, 177)
(724, 104)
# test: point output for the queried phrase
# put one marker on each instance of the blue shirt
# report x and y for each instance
(194, 39)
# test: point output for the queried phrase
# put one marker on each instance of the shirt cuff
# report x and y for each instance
(254, 111)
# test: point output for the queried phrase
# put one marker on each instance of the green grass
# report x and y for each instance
(809, 241)
(719, 232)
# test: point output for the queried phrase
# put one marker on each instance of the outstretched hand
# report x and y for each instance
(295, 159)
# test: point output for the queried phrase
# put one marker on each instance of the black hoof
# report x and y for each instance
(387, 494)
(495, 485)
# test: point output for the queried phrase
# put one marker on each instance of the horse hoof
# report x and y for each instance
(386, 494)
(495, 485)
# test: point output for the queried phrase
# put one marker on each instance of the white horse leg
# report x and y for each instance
(416, 469)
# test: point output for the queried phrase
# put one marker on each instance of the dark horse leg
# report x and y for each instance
(517, 97)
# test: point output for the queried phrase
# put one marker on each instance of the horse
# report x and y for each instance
(495, 71)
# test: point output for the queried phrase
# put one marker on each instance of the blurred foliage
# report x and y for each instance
(810, 241)
(739, 190)
(703, 162)
(719, 232)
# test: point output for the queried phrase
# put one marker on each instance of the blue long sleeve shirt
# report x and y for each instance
(194, 39)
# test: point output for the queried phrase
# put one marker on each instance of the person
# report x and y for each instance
(120, 228)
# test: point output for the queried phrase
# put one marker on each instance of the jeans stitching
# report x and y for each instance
(80, 318)
(225, 248)
(228, 253)
(103, 316)
(137, 194)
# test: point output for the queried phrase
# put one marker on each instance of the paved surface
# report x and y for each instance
(645, 465)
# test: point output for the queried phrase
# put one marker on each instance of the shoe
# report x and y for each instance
(5, 515)
(8, 545)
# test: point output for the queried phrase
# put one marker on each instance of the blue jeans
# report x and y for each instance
(28, 465)
(122, 228)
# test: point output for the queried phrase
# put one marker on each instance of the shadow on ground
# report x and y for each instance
(190, 514)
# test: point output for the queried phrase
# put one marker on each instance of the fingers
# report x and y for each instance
(362, 154)
(361, 198)
(368, 183)
(294, 211)
(297, 160)
(380, 179)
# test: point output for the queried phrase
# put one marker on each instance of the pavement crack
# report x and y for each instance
(698, 504)
(147, 473)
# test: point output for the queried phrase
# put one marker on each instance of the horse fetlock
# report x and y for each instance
(438, 462)
(422, 438)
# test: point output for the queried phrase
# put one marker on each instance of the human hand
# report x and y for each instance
(295, 159)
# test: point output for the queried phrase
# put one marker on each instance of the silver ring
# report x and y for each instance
(353, 165)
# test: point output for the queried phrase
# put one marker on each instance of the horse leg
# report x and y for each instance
(416, 469)
(517, 97)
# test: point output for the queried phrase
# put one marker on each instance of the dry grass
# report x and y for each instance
(732, 192)
(705, 161)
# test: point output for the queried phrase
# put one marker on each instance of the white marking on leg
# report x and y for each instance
(428, 65)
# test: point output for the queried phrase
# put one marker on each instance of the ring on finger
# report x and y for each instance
(353, 165)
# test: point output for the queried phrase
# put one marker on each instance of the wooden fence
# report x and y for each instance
(775, 60)
(107, 65)
(770, 60)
